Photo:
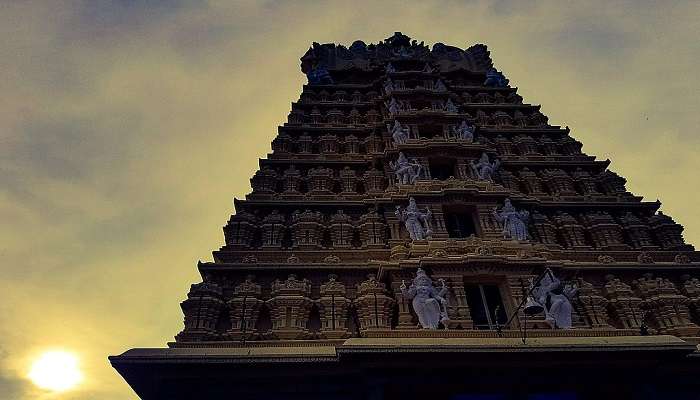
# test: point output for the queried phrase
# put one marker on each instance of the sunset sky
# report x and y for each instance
(127, 129)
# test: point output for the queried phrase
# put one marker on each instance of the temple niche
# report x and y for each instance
(413, 196)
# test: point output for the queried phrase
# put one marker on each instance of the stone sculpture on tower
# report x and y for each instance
(428, 302)
(417, 223)
(556, 299)
(514, 221)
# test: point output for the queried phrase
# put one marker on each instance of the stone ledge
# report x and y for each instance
(532, 343)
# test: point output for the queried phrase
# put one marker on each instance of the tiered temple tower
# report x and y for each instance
(399, 160)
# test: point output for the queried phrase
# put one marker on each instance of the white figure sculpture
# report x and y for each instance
(389, 68)
(439, 86)
(388, 86)
(514, 221)
(484, 169)
(450, 107)
(417, 223)
(428, 302)
(407, 172)
(550, 291)
(465, 132)
(393, 106)
(399, 133)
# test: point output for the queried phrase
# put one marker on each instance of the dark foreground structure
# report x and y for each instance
(420, 232)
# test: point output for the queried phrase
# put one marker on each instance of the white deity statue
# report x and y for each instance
(450, 107)
(388, 86)
(465, 131)
(416, 222)
(399, 133)
(439, 86)
(393, 106)
(407, 172)
(514, 221)
(484, 169)
(428, 302)
(550, 292)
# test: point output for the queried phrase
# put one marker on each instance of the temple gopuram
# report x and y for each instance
(420, 232)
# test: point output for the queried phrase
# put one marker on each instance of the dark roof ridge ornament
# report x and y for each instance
(331, 57)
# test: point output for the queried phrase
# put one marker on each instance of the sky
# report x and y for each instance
(127, 128)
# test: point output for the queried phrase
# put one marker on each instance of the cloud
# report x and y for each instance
(127, 127)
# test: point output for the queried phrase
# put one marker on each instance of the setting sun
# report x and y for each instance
(56, 371)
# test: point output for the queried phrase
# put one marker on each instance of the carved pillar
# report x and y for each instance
(668, 232)
(333, 309)
(306, 229)
(691, 289)
(571, 231)
(544, 231)
(372, 116)
(490, 229)
(373, 144)
(438, 222)
(504, 146)
(612, 183)
(394, 226)
(273, 229)
(405, 320)
(352, 145)
(316, 117)
(531, 181)
(305, 144)
(282, 144)
(289, 308)
(201, 310)
(356, 97)
(592, 305)
(570, 146)
(585, 182)
(482, 118)
(372, 230)
(605, 232)
(637, 232)
(526, 145)
(509, 181)
(240, 229)
(328, 144)
(457, 307)
(244, 309)
(519, 119)
(264, 181)
(292, 180)
(559, 182)
(514, 98)
(374, 181)
(348, 180)
(623, 304)
(373, 305)
(665, 305)
(320, 181)
(341, 228)
(463, 169)
(296, 117)
(538, 119)
(501, 119)
(548, 146)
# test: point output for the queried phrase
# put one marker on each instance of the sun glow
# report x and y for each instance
(57, 371)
